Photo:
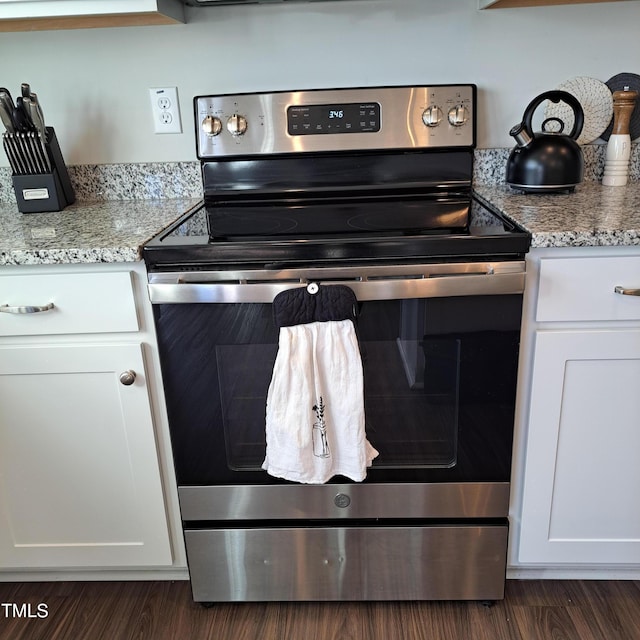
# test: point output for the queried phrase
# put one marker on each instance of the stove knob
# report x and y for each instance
(458, 115)
(432, 116)
(236, 125)
(212, 126)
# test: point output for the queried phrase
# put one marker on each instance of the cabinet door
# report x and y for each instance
(513, 4)
(79, 476)
(37, 8)
(29, 15)
(582, 476)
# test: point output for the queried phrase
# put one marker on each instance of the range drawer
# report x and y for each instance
(376, 562)
(583, 289)
(82, 303)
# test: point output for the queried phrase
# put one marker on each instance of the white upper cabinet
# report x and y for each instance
(36, 15)
(513, 4)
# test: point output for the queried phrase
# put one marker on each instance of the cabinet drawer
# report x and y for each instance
(575, 289)
(82, 303)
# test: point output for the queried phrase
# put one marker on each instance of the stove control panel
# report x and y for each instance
(373, 118)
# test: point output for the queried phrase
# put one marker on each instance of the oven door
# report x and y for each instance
(439, 344)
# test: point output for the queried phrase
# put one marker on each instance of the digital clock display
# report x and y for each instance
(333, 118)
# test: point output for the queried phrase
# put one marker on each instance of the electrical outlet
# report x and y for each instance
(166, 110)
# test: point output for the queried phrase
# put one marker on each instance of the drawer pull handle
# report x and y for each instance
(627, 292)
(5, 308)
(127, 378)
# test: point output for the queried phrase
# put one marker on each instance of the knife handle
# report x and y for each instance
(6, 118)
(36, 102)
(6, 103)
(35, 115)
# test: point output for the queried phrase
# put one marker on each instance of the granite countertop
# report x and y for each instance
(85, 232)
(115, 230)
(592, 216)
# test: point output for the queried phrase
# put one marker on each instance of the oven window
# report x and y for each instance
(411, 392)
(439, 380)
(244, 373)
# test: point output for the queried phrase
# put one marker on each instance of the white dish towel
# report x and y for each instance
(315, 405)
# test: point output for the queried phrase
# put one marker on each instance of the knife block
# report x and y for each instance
(43, 192)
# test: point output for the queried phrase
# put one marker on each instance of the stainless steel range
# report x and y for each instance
(369, 188)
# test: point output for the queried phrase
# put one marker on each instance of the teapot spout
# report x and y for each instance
(522, 134)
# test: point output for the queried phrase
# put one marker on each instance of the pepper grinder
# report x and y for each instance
(616, 164)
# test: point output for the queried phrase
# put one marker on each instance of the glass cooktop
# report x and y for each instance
(275, 233)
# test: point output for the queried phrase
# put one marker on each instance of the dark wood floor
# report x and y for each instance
(532, 610)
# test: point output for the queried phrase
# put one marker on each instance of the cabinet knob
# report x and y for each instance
(128, 377)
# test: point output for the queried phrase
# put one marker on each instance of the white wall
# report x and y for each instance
(94, 83)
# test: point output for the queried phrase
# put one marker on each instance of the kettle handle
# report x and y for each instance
(556, 96)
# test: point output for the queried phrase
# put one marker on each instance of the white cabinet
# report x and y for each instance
(81, 303)
(33, 15)
(583, 478)
(578, 435)
(512, 4)
(80, 482)
(80, 464)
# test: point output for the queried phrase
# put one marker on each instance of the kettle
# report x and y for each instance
(546, 161)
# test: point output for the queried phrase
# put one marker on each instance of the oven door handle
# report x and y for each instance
(186, 288)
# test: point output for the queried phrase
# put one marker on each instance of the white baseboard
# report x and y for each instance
(94, 575)
(513, 573)
(573, 573)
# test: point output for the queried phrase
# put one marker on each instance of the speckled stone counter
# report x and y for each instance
(120, 207)
(591, 216)
(85, 232)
